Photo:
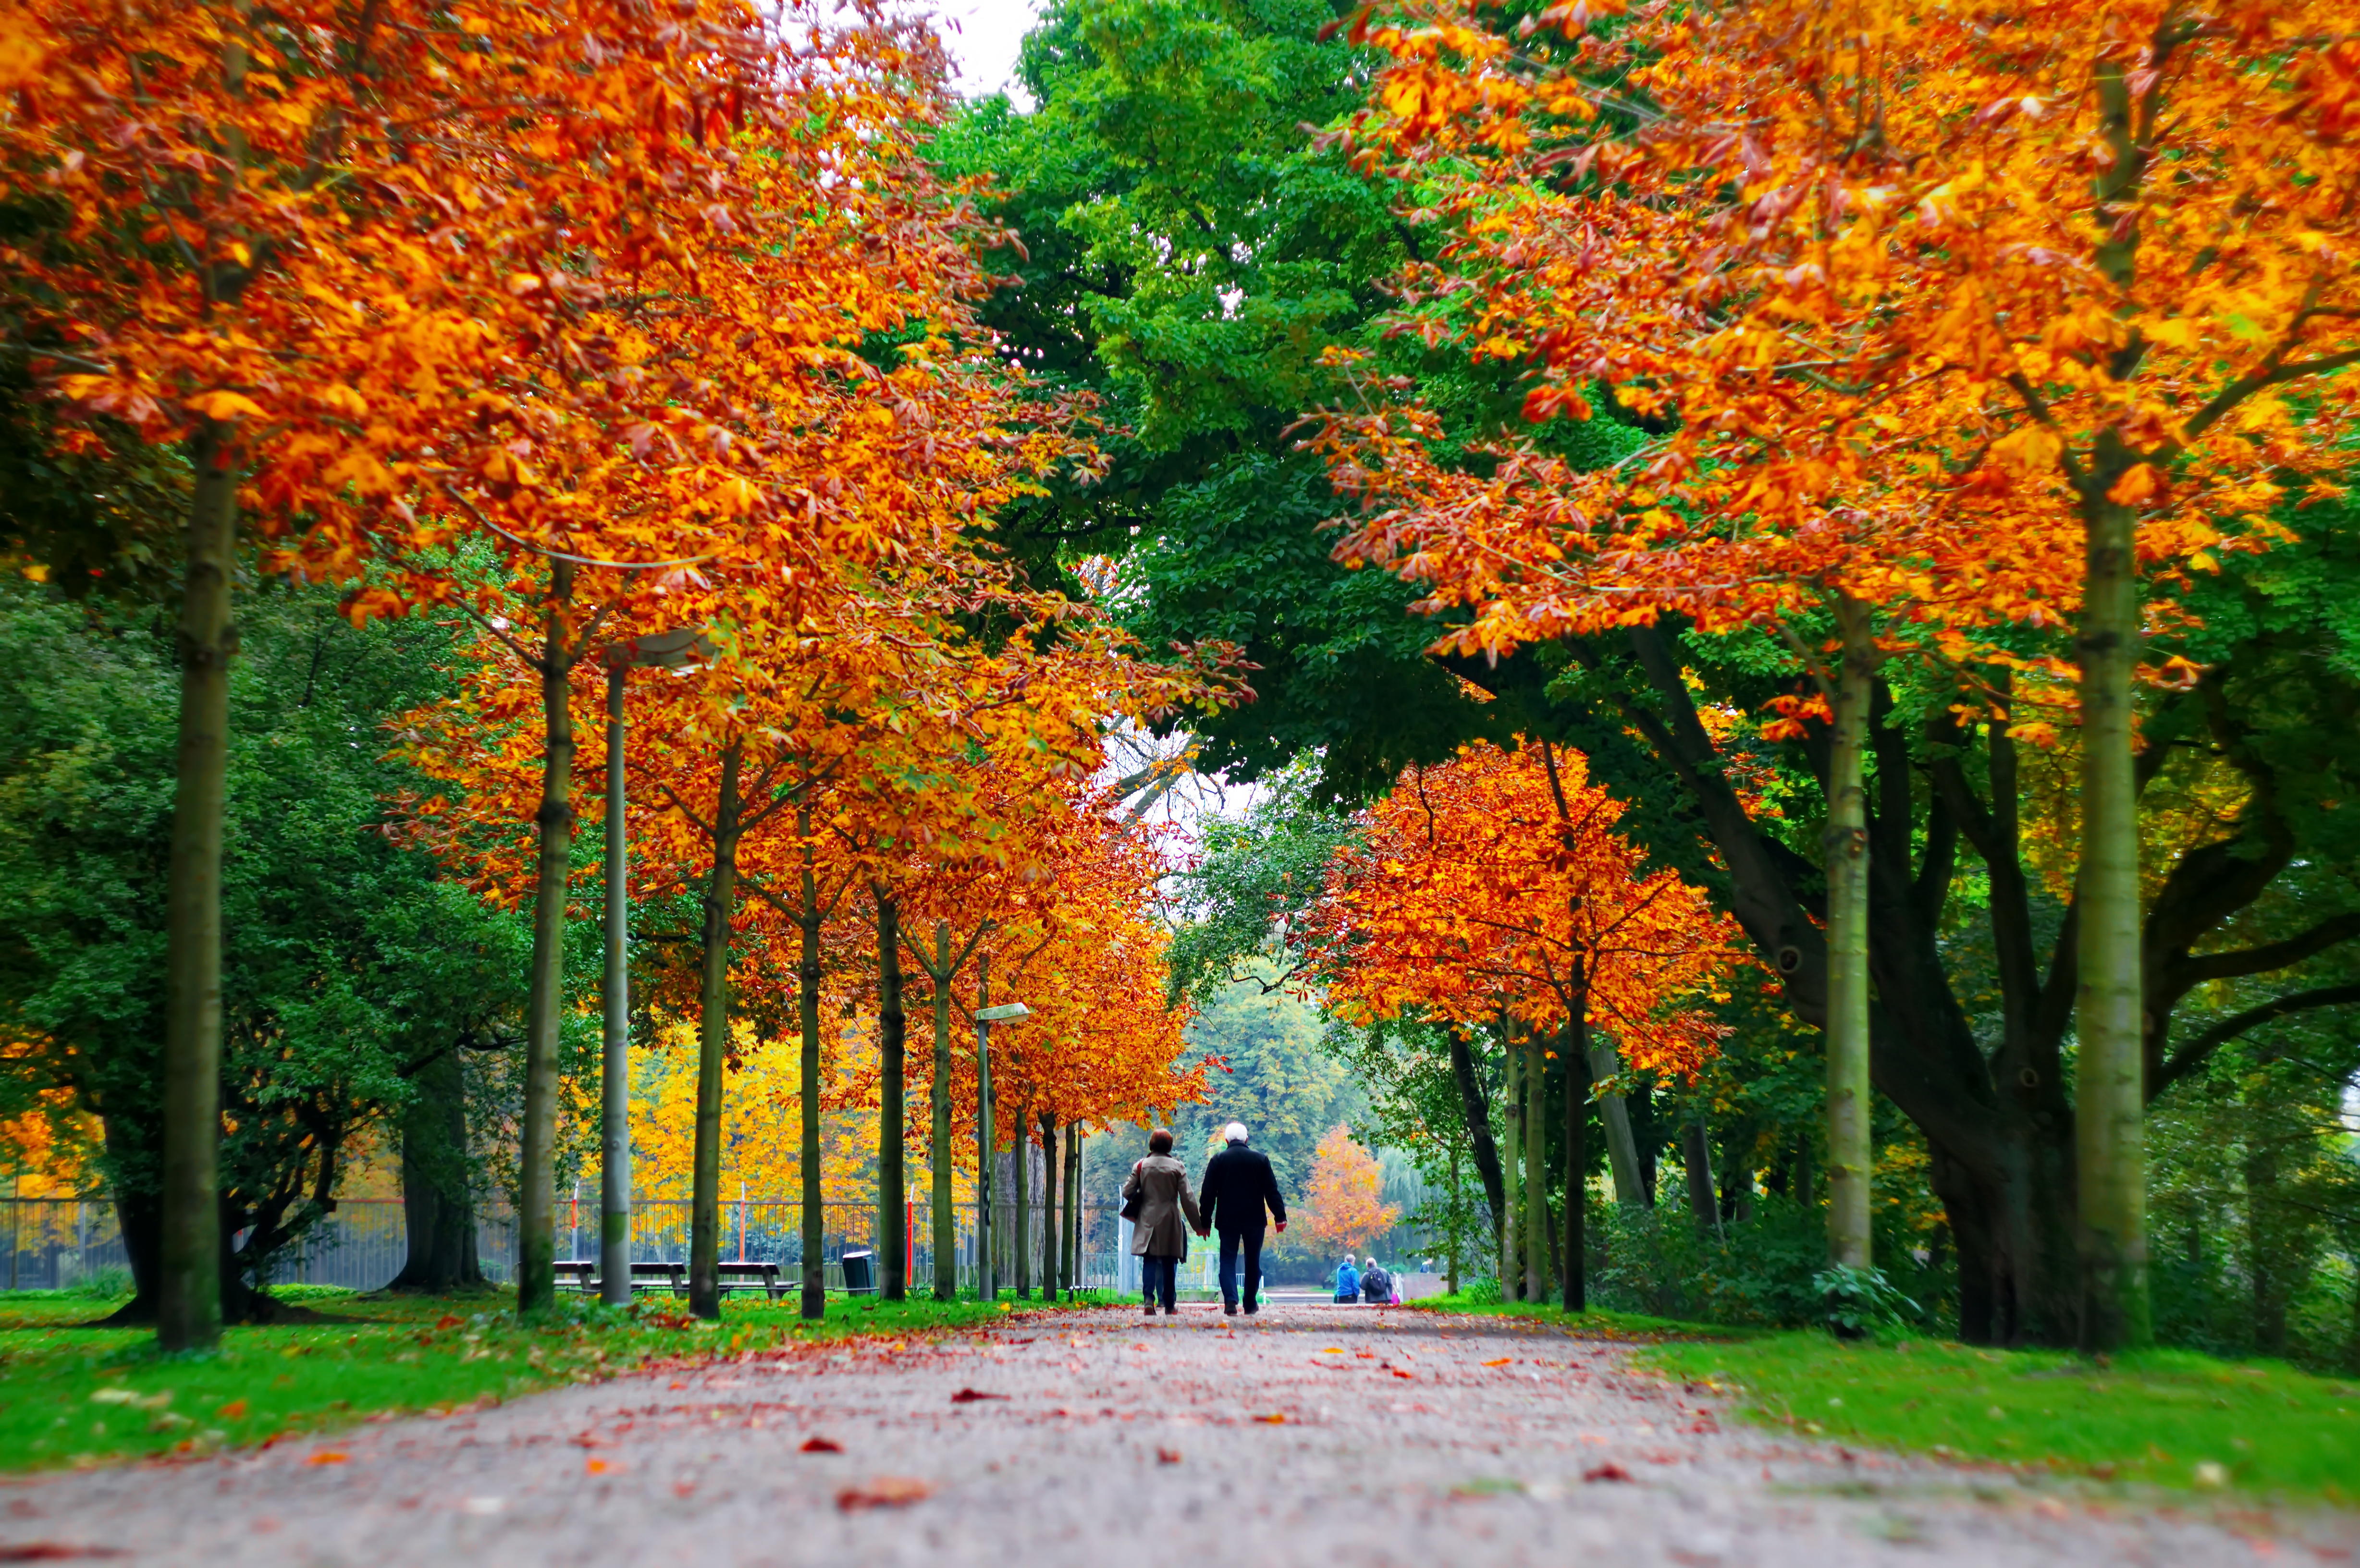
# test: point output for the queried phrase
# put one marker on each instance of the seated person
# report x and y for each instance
(1376, 1285)
(1347, 1280)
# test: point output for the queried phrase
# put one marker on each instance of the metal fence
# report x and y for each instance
(58, 1244)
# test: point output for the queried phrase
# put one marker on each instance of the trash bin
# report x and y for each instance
(859, 1273)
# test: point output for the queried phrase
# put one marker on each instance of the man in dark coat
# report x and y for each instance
(1238, 1185)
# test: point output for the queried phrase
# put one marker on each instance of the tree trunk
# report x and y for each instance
(1622, 1149)
(615, 999)
(1476, 1109)
(438, 1208)
(1576, 1151)
(1050, 1235)
(1512, 1166)
(938, 1140)
(1073, 1208)
(807, 979)
(536, 1162)
(2109, 1100)
(188, 1279)
(986, 1151)
(1696, 1154)
(713, 1048)
(1845, 852)
(1020, 1233)
(1536, 1209)
(892, 1121)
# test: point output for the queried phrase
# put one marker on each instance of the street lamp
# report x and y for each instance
(985, 1137)
(659, 650)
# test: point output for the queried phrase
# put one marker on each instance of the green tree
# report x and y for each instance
(351, 966)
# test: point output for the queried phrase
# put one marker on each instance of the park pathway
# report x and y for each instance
(1311, 1435)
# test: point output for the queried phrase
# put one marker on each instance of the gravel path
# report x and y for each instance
(1310, 1435)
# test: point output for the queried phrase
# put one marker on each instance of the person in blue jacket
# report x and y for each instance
(1347, 1280)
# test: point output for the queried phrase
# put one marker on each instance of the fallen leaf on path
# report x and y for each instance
(884, 1492)
(52, 1551)
(1609, 1471)
(1276, 1418)
(970, 1396)
(598, 1466)
(1399, 1373)
(1167, 1456)
(328, 1456)
(822, 1445)
(1502, 1361)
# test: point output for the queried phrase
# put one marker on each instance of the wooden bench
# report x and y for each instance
(763, 1277)
(672, 1274)
(582, 1276)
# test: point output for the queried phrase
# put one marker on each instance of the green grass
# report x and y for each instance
(1598, 1322)
(2159, 1418)
(74, 1395)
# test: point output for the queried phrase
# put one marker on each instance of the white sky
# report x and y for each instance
(982, 35)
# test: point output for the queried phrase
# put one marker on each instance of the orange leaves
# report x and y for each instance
(1341, 1206)
(1496, 882)
(1903, 364)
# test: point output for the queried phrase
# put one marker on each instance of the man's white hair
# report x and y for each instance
(1234, 1132)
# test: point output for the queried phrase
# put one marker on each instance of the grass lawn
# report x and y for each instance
(2162, 1417)
(72, 1395)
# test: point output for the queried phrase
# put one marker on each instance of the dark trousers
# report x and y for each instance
(1160, 1277)
(1251, 1241)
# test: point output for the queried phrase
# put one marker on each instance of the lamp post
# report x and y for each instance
(985, 1137)
(665, 650)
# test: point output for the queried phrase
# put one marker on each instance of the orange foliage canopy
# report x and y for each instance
(1496, 882)
(1914, 292)
(584, 275)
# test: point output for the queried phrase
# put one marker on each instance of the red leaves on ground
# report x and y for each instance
(970, 1396)
(1610, 1471)
(52, 1551)
(1167, 1456)
(821, 1445)
(884, 1492)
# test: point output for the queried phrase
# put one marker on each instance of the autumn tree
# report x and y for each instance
(1495, 889)
(1344, 1206)
(1940, 277)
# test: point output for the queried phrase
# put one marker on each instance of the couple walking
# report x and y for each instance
(1237, 1186)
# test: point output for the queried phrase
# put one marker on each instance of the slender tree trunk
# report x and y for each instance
(1622, 1149)
(1073, 1208)
(938, 1132)
(713, 1048)
(537, 1159)
(807, 979)
(1696, 1154)
(1536, 1209)
(1050, 1235)
(1020, 1235)
(1476, 1108)
(892, 1121)
(1845, 859)
(2109, 1099)
(189, 1281)
(1512, 1166)
(1577, 1150)
(615, 1066)
(986, 1151)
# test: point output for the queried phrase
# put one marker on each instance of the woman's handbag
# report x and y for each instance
(1130, 1195)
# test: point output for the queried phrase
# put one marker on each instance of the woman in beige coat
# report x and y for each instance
(1159, 1184)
